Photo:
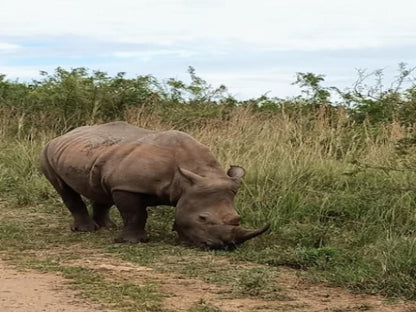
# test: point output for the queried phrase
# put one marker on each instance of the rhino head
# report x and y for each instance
(205, 215)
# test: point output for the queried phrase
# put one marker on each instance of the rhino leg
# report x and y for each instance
(82, 220)
(100, 215)
(134, 214)
(71, 199)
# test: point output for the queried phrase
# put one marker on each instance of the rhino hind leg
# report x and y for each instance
(134, 214)
(100, 215)
(72, 200)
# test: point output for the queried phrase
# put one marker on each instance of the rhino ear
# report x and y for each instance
(190, 176)
(236, 173)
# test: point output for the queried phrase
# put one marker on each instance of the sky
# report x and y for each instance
(252, 47)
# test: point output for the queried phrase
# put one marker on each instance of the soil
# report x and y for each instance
(22, 291)
(37, 292)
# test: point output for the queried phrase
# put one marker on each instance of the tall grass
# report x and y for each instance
(340, 197)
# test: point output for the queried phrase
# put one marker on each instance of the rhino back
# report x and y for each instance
(76, 157)
(108, 134)
(150, 166)
(96, 160)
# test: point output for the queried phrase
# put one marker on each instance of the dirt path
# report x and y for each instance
(299, 295)
(22, 291)
(37, 292)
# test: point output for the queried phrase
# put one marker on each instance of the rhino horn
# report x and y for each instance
(242, 235)
(192, 177)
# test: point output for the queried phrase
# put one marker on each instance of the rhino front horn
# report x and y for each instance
(243, 235)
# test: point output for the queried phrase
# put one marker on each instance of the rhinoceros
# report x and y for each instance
(133, 168)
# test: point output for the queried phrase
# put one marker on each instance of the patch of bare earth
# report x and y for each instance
(320, 297)
(299, 295)
(182, 292)
(36, 292)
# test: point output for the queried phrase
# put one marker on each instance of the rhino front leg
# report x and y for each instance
(100, 215)
(134, 214)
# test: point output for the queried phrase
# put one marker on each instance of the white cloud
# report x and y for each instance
(245, 84)
(263, 24)
(24, 73)
(7, 47)
(147, 55)
(250, 46)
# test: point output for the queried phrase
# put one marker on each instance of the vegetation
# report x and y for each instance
(333, 171)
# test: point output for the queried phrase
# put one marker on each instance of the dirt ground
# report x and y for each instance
(22, 291)
(37, 292)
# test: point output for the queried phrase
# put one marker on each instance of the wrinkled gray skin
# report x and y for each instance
(133, 168)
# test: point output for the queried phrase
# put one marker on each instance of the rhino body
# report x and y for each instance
(133, 168)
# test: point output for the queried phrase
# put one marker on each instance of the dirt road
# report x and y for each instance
(22, 291)
(37, 292)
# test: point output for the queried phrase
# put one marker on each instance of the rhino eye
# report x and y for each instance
(202, 218)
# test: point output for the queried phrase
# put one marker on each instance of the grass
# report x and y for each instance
(38, 237)
(340, 200)
(202, 306)
(257, 282)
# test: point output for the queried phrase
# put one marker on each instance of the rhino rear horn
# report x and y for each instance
(190, 176)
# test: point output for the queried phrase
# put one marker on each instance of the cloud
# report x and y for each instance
(250, 46)
(147, 55)
(245, 84)
(7, 47)
(24, 73)
(263, 24)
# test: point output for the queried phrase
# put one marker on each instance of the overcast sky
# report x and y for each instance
(252, 47)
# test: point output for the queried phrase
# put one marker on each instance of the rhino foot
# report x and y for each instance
(132, 238)
(107, 223)
(84, 226)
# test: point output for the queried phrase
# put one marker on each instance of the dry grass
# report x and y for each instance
(340, 197)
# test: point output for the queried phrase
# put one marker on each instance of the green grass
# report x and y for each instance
(341, 203)
(257, 282)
